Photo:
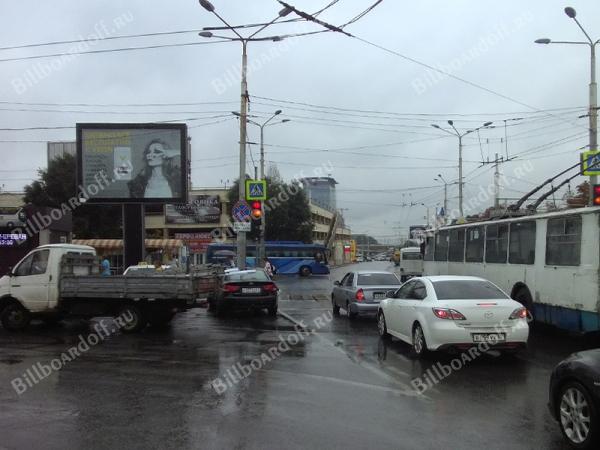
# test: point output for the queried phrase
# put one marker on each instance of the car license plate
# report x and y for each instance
(255, 290)
(490, 338)
(378, 296)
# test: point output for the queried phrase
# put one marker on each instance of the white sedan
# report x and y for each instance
(445, 312)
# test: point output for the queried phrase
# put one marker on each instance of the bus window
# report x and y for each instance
(456, 250)
(428, 249)
(522, 243)
(496, 243)
(563, 241)
(475, 241)
(441, 246)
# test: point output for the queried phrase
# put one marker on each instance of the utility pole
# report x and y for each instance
(593, 93)
(243, 114)
(496, 183)
(460, 159)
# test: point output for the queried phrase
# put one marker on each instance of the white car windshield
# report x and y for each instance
(467, 290)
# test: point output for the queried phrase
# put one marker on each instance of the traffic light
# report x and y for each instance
(256, 210)
(596, 194)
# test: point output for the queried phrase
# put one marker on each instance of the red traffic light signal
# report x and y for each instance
(596, 194)
(256, 210)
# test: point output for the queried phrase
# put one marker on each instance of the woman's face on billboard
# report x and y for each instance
(155, 154)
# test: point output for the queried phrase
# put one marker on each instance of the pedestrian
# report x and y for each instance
(269, 268)
(105, 268)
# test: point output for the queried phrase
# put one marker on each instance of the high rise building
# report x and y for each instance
(321, 191)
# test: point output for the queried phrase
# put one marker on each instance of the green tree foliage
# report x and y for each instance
(288, 212)
(58, 184)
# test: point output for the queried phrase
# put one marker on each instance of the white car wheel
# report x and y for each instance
(419, 342)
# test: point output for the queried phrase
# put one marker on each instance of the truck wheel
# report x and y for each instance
(14, 317)
(133, 319)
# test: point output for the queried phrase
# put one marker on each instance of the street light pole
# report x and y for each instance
(208, 6)
(460, 160)
(593, 91)
(241, 235)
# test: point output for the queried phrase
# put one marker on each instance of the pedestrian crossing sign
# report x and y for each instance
(256, 190)
(590, 162)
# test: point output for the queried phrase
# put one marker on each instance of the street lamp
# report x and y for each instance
(441, 178)
(593, 95)
(208, 6)
(460, 146)
(261, 253)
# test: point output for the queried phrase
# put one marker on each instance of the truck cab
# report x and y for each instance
(34, 281)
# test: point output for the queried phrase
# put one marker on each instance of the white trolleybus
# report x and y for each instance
(548, 262)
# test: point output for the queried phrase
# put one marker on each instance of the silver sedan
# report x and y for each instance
(361, 291)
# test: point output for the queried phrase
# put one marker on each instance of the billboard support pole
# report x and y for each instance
(134, 234)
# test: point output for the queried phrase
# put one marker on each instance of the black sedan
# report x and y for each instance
(245, 289)
(575, 398)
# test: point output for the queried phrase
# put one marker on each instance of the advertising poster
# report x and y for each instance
(200, 209)
(132, 163)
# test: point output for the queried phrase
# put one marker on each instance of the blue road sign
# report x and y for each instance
(241, 211)
(256, 190)
(590, 162)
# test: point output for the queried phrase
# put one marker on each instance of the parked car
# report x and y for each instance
(16, 219)
(245, 289)
(444, 312)
(361, 292)
(574, 398)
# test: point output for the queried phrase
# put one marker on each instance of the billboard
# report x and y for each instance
(196, 242)
(200, 209)
(417, 231)
(132, 163)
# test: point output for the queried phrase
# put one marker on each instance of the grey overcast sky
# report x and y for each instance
(379, 144)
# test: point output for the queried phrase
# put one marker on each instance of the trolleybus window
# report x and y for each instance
(475, 241)
(429, 242)
(563, 241)
(441, 246)
(457, 245)
(496, 243)
(522, 243)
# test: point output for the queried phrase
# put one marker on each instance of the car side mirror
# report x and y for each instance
(337, 283)
(390, 294)
(10, 272)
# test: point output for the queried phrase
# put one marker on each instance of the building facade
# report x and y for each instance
(59, 149)
(321, 191)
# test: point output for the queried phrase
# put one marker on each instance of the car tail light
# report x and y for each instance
(360, 295)
(519, 313)
(270, 287)
(231, 288)
(446, 313)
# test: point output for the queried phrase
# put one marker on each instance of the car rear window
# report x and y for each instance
(467, 290)
(411, 256)
(377, 279)
(246, 276)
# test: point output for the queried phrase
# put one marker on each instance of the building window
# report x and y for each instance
(441, 246)
(496, 243)
(457, 246)
(475, 241)
(522, 243)
(563, 241)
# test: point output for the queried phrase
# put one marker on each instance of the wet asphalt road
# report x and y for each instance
(339, 387)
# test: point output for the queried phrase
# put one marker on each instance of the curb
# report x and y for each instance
(294, 321)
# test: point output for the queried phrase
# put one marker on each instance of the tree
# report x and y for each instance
(57, 185)
(288, 212)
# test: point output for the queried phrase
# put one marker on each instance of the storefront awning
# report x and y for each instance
(117, 244)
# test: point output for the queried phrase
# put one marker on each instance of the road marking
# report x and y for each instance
(404, 392)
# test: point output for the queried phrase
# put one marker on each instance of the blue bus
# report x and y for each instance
(288, 257)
